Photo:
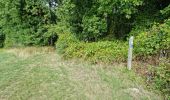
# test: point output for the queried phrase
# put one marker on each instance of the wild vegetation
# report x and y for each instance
(96, 31)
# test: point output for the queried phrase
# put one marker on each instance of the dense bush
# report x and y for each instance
(152, 41)
(64, 41)
(90, 19)
(102, 51)
(24, 21)
(161, 77)
(93, 28)
(146, 43)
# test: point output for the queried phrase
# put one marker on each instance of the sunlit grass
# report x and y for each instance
(42, 75)
(29, 51)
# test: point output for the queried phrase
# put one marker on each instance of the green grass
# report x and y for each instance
(31, 74)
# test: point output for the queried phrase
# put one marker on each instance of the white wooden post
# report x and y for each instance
(130, 53)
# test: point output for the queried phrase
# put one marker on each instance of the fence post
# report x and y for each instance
(130, 53)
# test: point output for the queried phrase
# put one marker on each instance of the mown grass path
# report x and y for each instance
(45, 76)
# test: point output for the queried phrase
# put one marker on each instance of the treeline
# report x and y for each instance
(26, 22)
(94, 19)
(37, 22)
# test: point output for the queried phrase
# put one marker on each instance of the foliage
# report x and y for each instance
(93, 28)
(2, 39)
(145, 18)
(152, 41)
(64, 13)
(91, 19)
(23, 21)
(161, 80)
(64, 42)
(102, 51)
(166, 12)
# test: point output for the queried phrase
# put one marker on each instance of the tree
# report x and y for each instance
(91, 19)
(24, 21)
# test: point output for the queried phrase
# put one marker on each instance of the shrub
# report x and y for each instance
(151, 42)
(93, 28)
(161, 79)
(102, 51)
(64, 42)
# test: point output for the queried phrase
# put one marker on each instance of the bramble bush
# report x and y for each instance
(64, 41)
(102, 51)
(151, 42)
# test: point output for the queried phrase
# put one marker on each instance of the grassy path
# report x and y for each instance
(25, 75)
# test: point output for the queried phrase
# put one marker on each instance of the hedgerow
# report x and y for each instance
(145, 44)
(102, 51)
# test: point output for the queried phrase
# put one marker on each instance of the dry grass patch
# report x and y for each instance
(30, 51)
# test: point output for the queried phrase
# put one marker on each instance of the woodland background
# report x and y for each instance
(94, 30)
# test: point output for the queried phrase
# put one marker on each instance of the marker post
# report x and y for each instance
(130, 53)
